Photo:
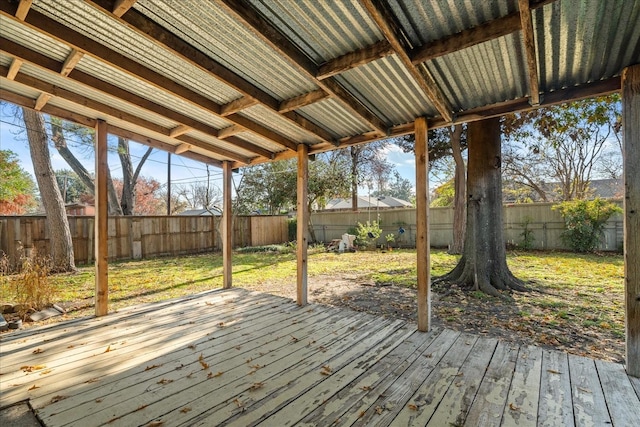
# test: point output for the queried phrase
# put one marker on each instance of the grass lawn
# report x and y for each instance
(578, 300)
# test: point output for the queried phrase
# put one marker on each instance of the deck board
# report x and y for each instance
(240, 358)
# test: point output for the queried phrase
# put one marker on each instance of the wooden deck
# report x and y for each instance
(239, 358)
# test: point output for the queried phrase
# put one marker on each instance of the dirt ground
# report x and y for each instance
(453, 309)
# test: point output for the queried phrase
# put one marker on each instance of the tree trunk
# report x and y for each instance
(483, 265)
(60, 235)
(459, 201)
(354, 178)
(127, 199)
(61, 145)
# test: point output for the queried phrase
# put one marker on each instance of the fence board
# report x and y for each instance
(138, 237)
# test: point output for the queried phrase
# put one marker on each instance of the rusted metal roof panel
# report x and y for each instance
(224, 39)
(484, 74)
(323, 30)
(98, 26)
(388, 90)
(579, 42)
(335, 118)
(425, 21)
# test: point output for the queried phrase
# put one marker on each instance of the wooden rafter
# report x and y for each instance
(179, 130)
(41, 101)
(122, 6)
(230, 131)
(23, 8)
(42, 61)
(160, 36)
(530, 51)
(70, 63)
(237, 105)
(354, 59)
(270, 35)
(14, 68)
(302, 100)
(184, 147)
(493, 29)
(74, 40)
(385, 20)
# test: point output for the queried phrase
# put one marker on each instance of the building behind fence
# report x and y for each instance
(545, 224)
(136, 237)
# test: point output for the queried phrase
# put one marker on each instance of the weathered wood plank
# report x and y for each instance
(101, 215)
(488, 406)
(589, 407)
(522, 401)
(133, 375)
(456, 403)
(416, 394)
(422, 225)
(242, 381)
(302, 221)
(555, 407)
(622, 402)
(349, 403)
(635, 382)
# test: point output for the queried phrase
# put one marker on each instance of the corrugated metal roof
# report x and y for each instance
(224, 39)
(34, 40)
(581, 41)
(323, 30)
(91, 22)
(332, 116)
(272, 120)
(261, 142)
(484, 74)
(387, 89)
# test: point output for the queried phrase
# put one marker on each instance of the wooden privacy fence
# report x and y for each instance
(545, 224)
(135, 237)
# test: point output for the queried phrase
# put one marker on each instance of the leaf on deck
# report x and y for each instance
(164, 381)
(37, 351)
(58, 398)
(256, 386)
(513, 407)
(185, 410)
(148, 368)
(31, 368)
(326, 370)
(33, 387)
(204, 364)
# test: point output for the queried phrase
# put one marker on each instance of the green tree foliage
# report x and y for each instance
(17, 189)
(71, 187)
(367, 233)
(584, 222)
(563, 144)
(398, 187)
(444, 195)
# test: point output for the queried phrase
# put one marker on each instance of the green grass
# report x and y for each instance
(572, 291)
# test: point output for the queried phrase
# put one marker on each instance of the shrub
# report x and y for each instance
(292, 225)
(367, 234)
(584, 222)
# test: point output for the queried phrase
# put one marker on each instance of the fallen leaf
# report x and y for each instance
(256, 386)
(58, 398)
(91, 380)
(185, 410)
(192, 347)
(148, 368)
(108, 349)
(294, 339)
(412, 407)
(48, 371)
(140, 408)
(155, 424)
(365, 388)
(37, 351)
(204, 364)
(553, 371)
(513, 407)
(30, 368)
(164, 381)
(362, 414)
(238, 402)
(33, 387)
(379, 410)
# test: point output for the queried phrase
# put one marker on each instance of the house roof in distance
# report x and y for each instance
(368, 202)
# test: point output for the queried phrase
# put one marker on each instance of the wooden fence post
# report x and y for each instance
(422, 225)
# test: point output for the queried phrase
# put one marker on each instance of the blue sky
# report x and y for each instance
(183, 170)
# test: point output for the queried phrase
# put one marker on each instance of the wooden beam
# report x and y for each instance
(262, 29)
(230, 131)
(182, 148)
(179, 130)
(249, 146)
(41, 101)
(385, 20)
(26, 102)
(227, 227)
(354, 59)
(23, 8)
(237, 105)
(302, 100)
(122, 6)
(631, 154)
(14, 68)
(263, 131)
(160, 36)
(530, 51)
(302, 222)
(484, 32)
(70, 63)
(422, 225)
(101, 224)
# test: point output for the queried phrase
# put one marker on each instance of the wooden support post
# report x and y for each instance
(101, 218)
(227, 226)
(302, 221)
(631, 132)
(422, 225)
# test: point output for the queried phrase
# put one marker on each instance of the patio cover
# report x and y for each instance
(239, 82)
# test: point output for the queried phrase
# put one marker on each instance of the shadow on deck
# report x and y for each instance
(239, 358)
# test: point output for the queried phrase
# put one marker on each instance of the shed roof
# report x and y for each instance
(246, 81)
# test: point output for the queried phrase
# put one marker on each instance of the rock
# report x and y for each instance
(45, 314)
